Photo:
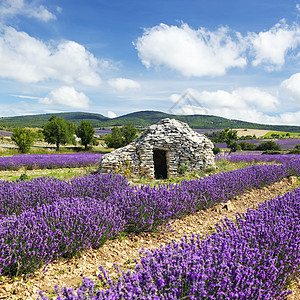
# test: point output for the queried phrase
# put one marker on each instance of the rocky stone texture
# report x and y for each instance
(175, 146)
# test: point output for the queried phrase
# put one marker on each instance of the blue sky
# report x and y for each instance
(237, 59)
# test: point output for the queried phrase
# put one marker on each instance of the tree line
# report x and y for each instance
(58, 131)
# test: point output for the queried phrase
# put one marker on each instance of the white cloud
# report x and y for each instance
(255, 116)
(123, 84)
(190, 110)
(247, 104)
(203, 52)
(66, 96)
(242, 98)
(27, 59)
(111, 114)
(290, 88)
(25, 97)
(11, 8)
(270, 47)
(191, 52)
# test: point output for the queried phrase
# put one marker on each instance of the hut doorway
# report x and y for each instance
(160, 164)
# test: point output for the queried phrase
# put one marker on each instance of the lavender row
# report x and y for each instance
(278, 158)
(254, 257)
(5, 133)
(43, 219)
(48, 161)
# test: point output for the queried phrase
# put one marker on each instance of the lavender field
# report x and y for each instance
(5, 133)
(286, 144)
(102, 131)
(253, 257)
(256, 157)
(48, 161)
(47, 218)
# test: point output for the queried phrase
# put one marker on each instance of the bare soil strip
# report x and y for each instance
(122, 251)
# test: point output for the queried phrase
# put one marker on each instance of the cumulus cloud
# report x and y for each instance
(290, 88)
(191, 52)
(203, 52)
(123, 84)
(12, 8)
(270, 47)
(66, 96)
(247, 104)
(242, 98)
(29, 60)
(111, 114)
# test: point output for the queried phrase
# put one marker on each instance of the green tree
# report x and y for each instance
(269, 145)
(229, 136)
(23, 138)
(58, 131)
(121, 137)
(85, 132)
(247, 146)
(295, 150)
(129, 132)
(114, 139)
(234, 146)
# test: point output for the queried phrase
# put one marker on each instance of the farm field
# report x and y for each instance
(269, 173)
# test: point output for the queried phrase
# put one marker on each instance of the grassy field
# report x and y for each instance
(281, 134)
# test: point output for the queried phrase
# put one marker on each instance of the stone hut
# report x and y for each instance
(161, 151)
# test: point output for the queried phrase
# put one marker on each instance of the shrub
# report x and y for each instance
(216, 150)
(295, 150)
(272, 152)
(23, 138)
(269, 145)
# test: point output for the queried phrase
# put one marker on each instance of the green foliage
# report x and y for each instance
(234, 146)
(216, 150)
(281, 134)
(247, 146)
(121, 137)
(114, 139)
(295, 150)
(182, 169)
(247, 137)
(24, 176)
(85, 132)
(129, 132)
(271, 152)
(269, 145)
(23, 138)
(59, 132)
(228, 136)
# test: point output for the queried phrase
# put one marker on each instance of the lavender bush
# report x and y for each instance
(288, 144)
(5, 133)
(48, 161)
(277, 158)
(254, 257)
(43, 219)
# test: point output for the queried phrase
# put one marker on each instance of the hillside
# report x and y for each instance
(142, 118)
(41, 119)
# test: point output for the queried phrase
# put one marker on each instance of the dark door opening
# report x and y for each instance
(160, 164)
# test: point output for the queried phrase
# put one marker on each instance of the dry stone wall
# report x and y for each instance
(161, 149)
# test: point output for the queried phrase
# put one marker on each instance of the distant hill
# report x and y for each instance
(40, 120)
(141, 118)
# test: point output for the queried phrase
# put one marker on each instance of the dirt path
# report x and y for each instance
(123, 251)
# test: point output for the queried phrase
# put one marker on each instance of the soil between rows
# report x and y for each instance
(122, 251)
